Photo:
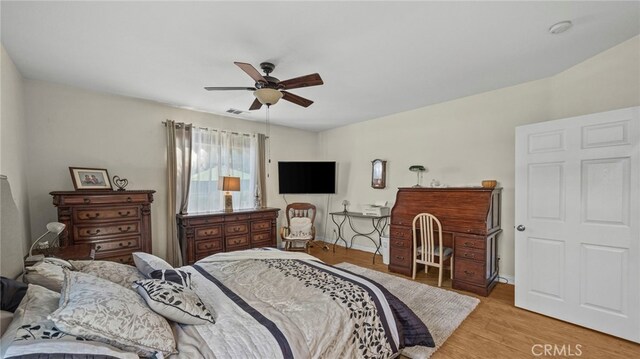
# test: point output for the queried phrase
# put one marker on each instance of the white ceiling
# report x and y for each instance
(376, 58)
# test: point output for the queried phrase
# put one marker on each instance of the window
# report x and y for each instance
(219, 153)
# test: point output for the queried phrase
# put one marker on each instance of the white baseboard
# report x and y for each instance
(510, 278)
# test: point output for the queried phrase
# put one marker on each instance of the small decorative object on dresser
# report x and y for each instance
(90, 178)
(203, 234)
(489, 183)
(378, 173)
(345, 203)
(117, 223)
(121, 183)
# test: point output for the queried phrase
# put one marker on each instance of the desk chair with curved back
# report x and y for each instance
(300, 229)
(425, 248)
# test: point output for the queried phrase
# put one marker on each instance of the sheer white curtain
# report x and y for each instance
(218, 153)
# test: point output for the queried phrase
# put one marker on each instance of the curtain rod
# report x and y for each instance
(164, 123)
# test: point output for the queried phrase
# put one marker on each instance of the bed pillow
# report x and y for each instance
(31, 333)
(147, 263)
(172, 275)
(100, 310)
(174, 301)
(45, 274)
(122, 274)
(12, 292)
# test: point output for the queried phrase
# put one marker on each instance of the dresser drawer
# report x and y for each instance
(123, 258)
(400, 232)
(237, 217)
(470, 242)
(260, 237)
(401, 243)
(200, 255)
(236, 228)
(106, 213)
(108, 199)
(470, 253)
(260, 225)
(204, 220)
(207, 232)
(131, 243)
(208, 246)
(400, 256)
(237, 241)
(469, 271)
(264, 215)
(91, 232)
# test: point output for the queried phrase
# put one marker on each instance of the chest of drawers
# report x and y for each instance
(116, 223)
(204, 234)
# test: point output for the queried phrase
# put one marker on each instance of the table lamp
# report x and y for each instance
(228, 184)
(52, 227)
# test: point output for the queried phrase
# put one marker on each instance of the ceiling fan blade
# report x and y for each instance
(302, 81)
(209, 88)
(255, 105)
(296, 99)
(251, 71)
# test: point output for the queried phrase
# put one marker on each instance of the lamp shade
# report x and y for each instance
(55, 227)
(267, 96)
(229, 183)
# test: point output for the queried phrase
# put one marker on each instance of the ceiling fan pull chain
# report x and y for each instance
(268, 130)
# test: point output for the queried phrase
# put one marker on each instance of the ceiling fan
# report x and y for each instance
(268, 89)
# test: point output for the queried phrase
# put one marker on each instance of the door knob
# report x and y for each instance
(520, 228)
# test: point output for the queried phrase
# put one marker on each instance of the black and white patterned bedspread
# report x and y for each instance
(277, 304)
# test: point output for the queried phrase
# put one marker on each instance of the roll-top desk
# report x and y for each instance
(116, 223)
(470, 220)
(203, 234)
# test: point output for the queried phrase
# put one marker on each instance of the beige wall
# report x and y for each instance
(13, 159)
(466, 140)
(73, 127)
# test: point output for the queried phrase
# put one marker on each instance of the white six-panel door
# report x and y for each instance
(577, 244)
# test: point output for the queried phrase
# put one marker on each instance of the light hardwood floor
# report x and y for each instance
(496, 328)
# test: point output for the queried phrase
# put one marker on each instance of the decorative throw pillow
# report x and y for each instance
(100, 310)
(118, 273)
(174, 301)
(147, 263)
(300, 228)
(172, 275)
(45, 274)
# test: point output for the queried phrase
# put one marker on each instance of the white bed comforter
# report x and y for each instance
(274, 304)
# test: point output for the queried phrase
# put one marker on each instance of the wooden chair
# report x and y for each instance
(425, 248)
(300, 229)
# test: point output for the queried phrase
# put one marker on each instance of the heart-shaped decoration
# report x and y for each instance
(121, 183)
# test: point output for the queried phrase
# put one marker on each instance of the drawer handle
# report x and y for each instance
(400, 258)
(121, 260)
(399, 243)
(237, 241)
(469, 255)
(209, 233)
(126, 214)
(468, 244)
(98, 248)
(469, 273)
(124, 230)
(128, 244)
(87, 200)
(129, 199)
(92, 217)
(94, 233)
(207, 246)
(236, 229)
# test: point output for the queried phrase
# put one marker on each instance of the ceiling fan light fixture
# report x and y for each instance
(267, 96)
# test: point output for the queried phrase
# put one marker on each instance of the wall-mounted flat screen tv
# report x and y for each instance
(306, 177)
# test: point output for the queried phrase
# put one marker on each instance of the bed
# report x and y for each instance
(265, 303)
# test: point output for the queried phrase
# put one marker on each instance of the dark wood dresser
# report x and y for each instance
(204, 234)
(117, 223)
(470, 220)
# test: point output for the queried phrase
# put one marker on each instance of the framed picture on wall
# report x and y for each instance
(90, 178)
